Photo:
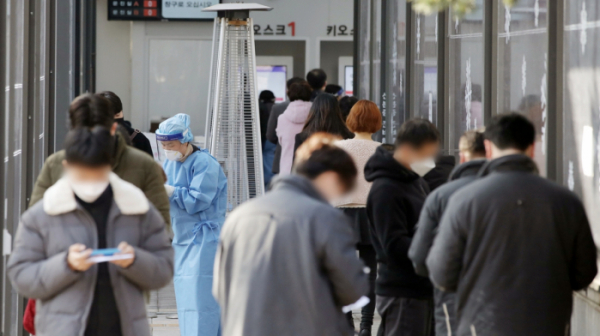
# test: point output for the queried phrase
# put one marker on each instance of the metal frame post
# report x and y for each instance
(490, 42)
(554, 110)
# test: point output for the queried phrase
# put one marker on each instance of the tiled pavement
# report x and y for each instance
(162, 309)
(162, 326)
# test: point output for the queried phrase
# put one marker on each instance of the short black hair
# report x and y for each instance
(346, 105)
(293, 80)
(115, 102)
(511, 130)
(333, 89)
(266, 96)
(300, 91)
(89, 110)
(417, 132)
(316, 78)
(89, 147)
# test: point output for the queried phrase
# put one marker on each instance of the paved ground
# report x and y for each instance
(162, 326)
(162, 306)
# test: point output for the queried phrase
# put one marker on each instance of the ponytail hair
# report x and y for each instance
(319, 154)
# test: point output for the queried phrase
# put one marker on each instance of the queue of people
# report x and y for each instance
(484, 248)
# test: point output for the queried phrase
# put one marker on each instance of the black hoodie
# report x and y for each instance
(138, 140)
(393, 206)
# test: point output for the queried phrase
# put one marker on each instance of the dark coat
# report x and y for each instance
(513, 246)
(138, 140)
(393, 206)
(129, 164)
(439, 175)
(286, 265)
(427, 228)
(265, 109)
(276, 111)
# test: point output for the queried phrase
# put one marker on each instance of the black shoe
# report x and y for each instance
(365, 332)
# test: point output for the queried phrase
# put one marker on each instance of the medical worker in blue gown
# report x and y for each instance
(197, 189)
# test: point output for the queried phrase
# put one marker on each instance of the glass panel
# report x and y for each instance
(396, 66)
(466, 74)
(425, 53)
(376, 23)
(523, 66)
(364, 56)
(581, 132)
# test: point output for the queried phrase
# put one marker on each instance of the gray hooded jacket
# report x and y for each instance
(38, 266)
(286, 265)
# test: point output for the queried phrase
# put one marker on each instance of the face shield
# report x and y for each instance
(168, 145)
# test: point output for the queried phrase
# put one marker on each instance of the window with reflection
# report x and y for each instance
(581, 124)
(364, 55)
(396, 67)
(425, 68)
(522, 66)
(466, 74)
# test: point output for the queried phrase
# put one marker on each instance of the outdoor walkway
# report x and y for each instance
(162, 326)
(162, 306)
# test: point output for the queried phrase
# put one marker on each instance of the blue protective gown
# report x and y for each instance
(198, 207)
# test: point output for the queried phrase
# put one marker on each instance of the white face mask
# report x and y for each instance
(173, 155)
(89, 192)
(423, 167)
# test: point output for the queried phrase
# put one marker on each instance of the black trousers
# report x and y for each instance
(367, 254)
(405, 317)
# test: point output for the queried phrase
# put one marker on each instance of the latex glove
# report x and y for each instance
(169, 189)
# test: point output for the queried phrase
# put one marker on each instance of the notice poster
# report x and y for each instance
(272, 78)
(349, 80)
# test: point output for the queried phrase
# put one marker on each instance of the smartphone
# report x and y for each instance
(105, 252)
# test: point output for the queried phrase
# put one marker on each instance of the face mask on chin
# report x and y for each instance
(173, 155)
(422, 167)
(88, 192)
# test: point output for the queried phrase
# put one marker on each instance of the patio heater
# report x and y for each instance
(232, 119)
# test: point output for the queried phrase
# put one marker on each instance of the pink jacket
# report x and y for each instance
(289, 124)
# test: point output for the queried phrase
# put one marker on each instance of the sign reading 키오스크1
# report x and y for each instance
(160, 10)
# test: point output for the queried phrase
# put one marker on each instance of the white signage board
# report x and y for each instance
(172, 9)
(305, 19)
(349, 80)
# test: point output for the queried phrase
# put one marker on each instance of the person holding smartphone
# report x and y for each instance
(90, 208)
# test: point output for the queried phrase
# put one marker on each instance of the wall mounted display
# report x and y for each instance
(160, 10)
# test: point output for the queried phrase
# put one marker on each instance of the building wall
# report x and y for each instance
(128, 60)
(113, 57)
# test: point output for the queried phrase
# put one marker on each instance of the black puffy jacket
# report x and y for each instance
(393, 206)
(427, 228)
(513, 246)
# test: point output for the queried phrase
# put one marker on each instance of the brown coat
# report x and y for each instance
(131, 165)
